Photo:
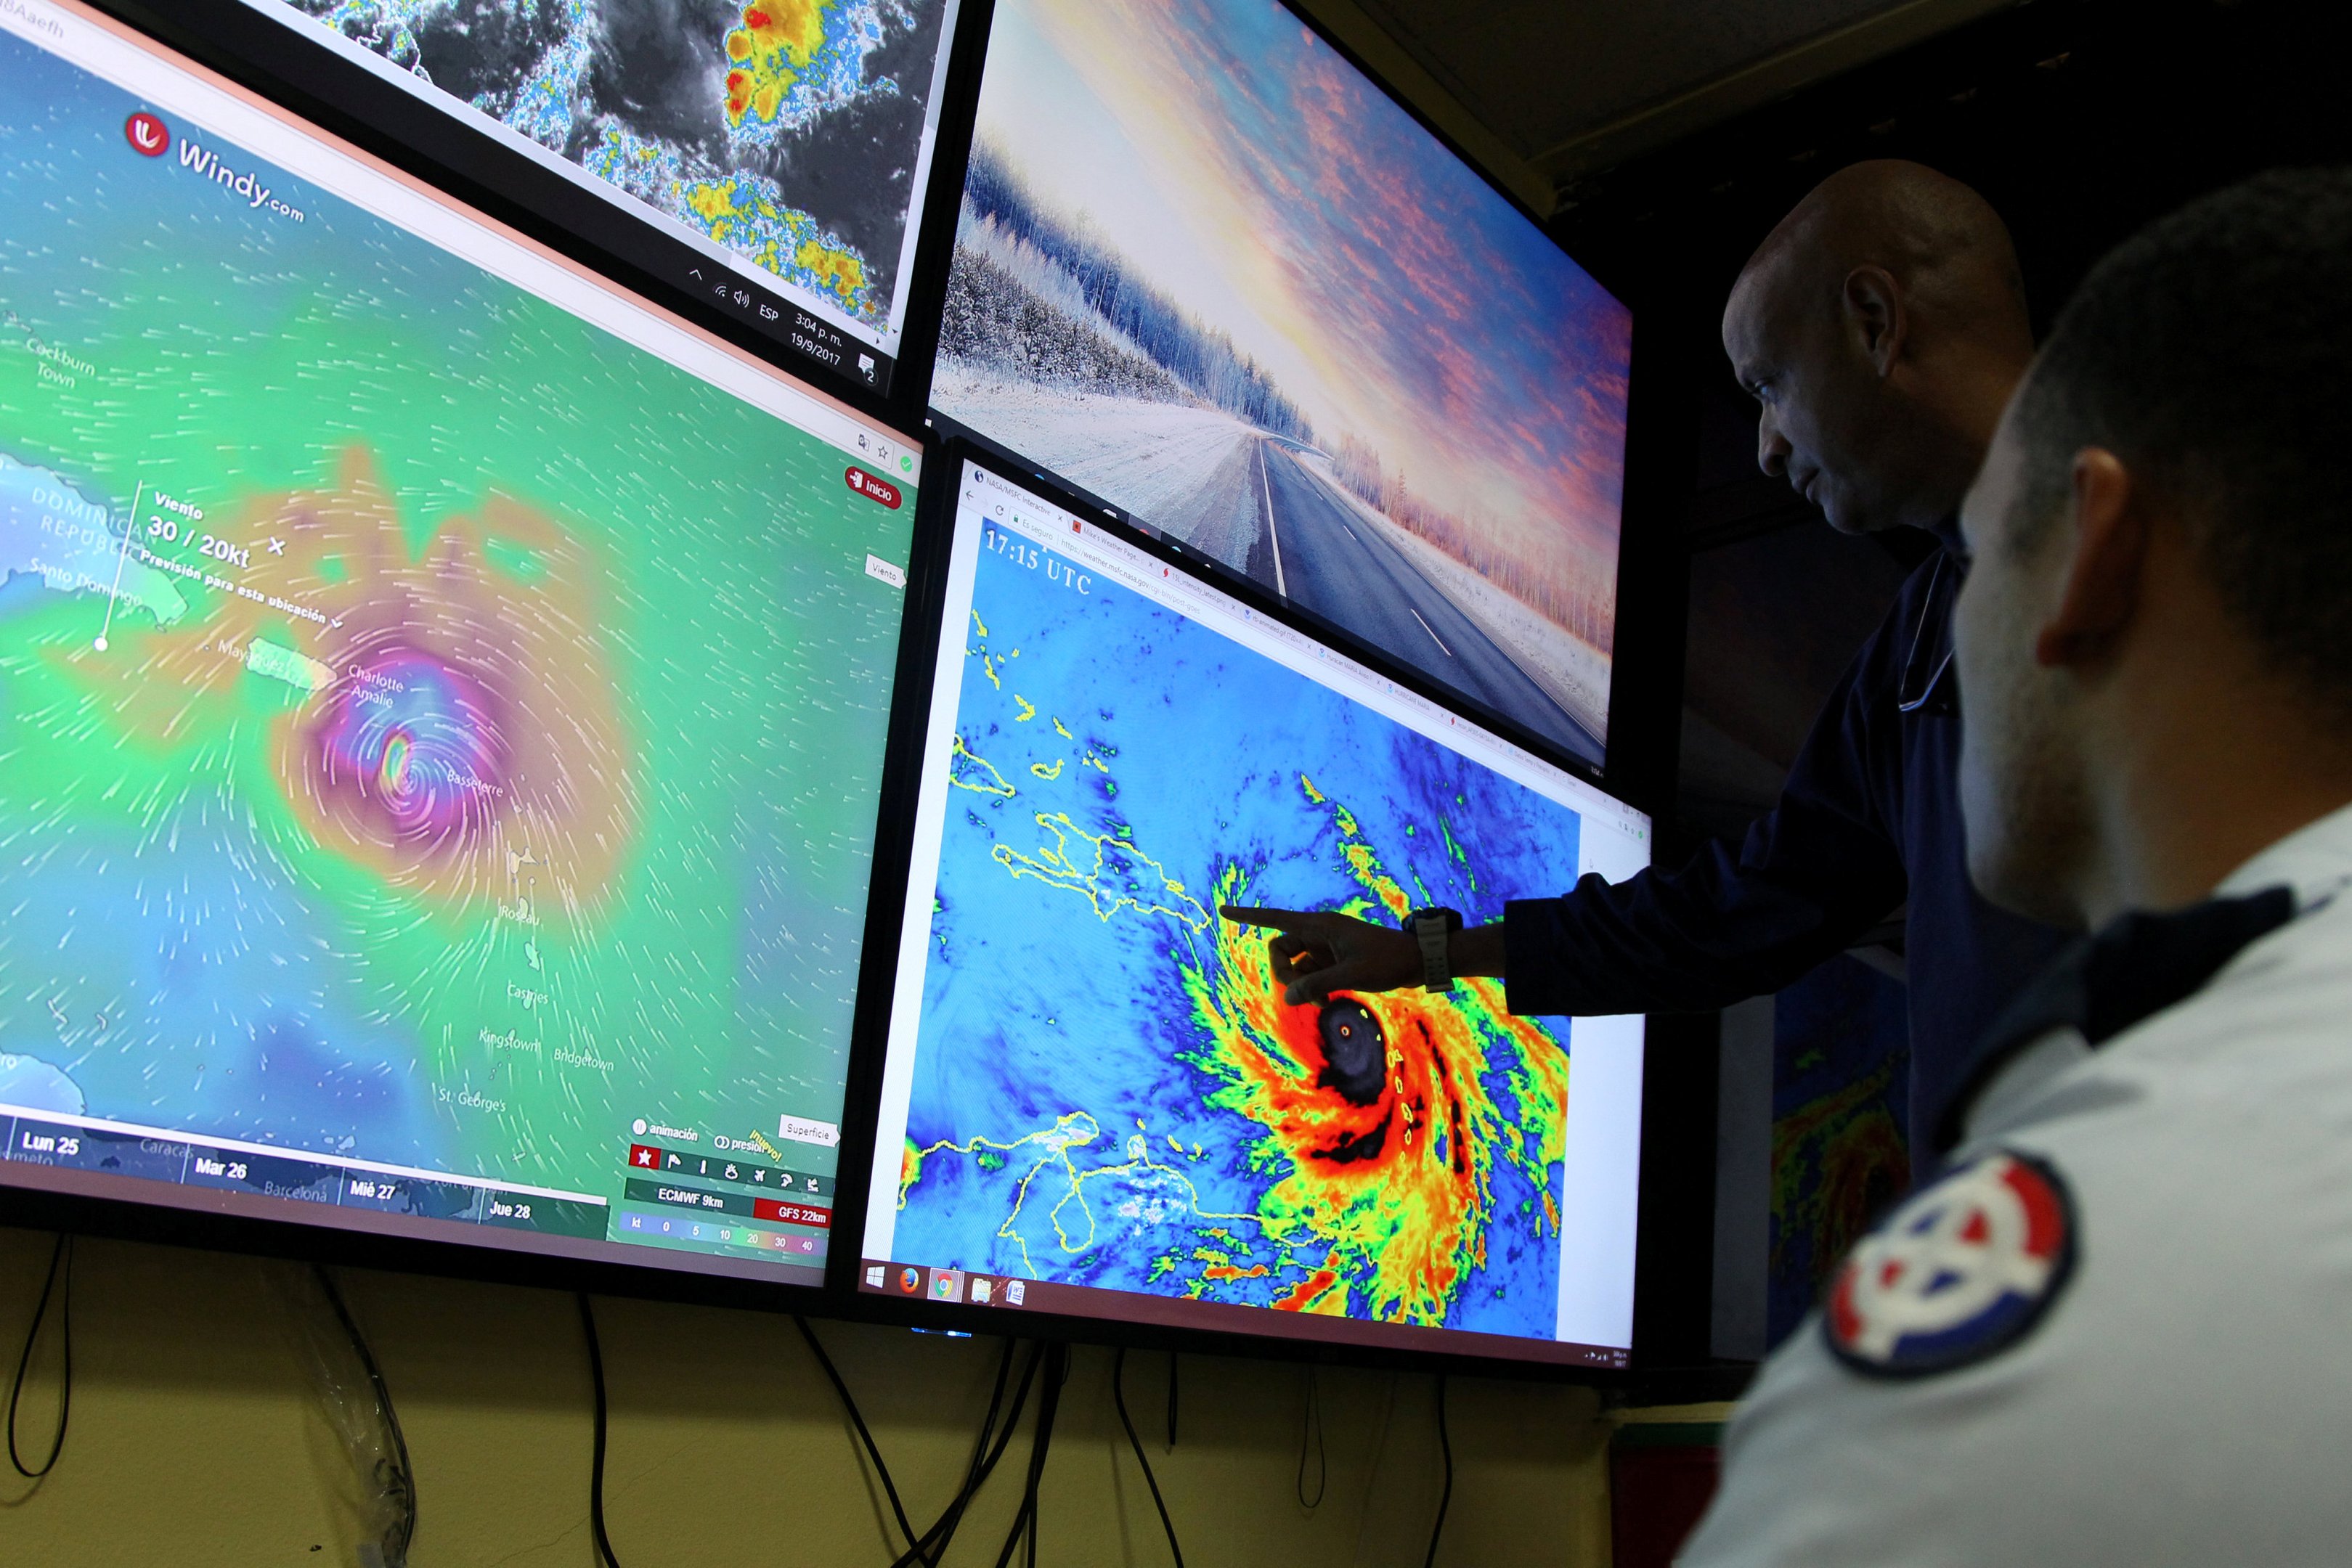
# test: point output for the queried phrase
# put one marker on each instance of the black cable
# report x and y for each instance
(60, 1260)
(1066, 1363)
(1118, 1398)
(1020, 1523)
(995, 1407)
(983, 1461)
(402, 1482)
(1024, 1517)
(1024, 1523)
(1171, 1402)
(974, 1470)
(1446, 1446)
(1310, 1423)
(596, 1465)
(857, 1419)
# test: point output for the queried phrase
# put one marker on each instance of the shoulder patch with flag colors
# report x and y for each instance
(1960, 1271)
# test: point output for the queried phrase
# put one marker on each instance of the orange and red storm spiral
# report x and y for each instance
(456, 707)
(1379, 1117)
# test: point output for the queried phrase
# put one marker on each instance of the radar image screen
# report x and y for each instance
(1095, 1102)
(772, 155)
(442, 701)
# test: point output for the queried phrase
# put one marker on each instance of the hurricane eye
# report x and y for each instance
(395, 763)
(410, 749)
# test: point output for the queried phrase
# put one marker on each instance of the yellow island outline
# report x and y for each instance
(1055, 867)
(1072, 1129)
(963, 778)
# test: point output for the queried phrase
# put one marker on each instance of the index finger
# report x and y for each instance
(1254, 915)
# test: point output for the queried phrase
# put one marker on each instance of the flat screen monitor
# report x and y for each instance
(770, 156)
(1207, 272)
(1093, 1104)
(441, 699)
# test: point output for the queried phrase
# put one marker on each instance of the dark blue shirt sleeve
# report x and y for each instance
(1821, 868)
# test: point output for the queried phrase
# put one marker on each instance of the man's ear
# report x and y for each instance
(1876, 315)
(2100, 593)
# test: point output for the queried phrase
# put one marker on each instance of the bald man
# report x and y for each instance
(2111, 1332)
(1881, 329)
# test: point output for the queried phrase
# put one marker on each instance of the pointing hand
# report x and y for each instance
(1314, 955)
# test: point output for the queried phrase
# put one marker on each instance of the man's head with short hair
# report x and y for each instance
(1880, 327)
(2157, 628)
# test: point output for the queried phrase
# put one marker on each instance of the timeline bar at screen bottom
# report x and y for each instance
(117, 1148)
(978, 1288)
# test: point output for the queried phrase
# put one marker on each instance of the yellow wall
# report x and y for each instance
(197, 1439)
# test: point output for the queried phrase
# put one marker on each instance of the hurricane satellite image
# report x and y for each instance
(431, 729)
(1108, 1089)
(786, 131)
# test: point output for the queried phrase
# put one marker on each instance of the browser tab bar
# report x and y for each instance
(1088, 545)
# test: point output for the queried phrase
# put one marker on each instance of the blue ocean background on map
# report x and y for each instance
(1037, 1007)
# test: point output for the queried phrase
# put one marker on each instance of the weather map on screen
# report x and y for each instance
(442, 700)
(1093, 1083)
(1207, 271)
(794, 135)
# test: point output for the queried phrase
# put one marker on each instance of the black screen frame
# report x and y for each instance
(135, 1210)
(1645, 781)
(1642, 774)
(270, 57)
(141, 1210)
(944, 464)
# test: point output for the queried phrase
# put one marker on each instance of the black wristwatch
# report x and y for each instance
(1433, 927)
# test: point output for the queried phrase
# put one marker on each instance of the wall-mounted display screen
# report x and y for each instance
(441, 702)
(1209, 273)
(770, 155)
(1094, 1101)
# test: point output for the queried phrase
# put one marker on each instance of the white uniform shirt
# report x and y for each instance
(2180, 1391)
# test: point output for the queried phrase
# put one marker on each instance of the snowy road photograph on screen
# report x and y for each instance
(1205, 270)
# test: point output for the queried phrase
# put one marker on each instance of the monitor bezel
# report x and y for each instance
(311, 79)
(136, 1209)
(130, 1215)
(947, 429)
(944, 462)
(1645, 770)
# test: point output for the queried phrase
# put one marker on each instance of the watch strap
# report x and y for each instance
(1434, 931)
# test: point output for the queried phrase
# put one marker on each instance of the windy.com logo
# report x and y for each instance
(151, 137)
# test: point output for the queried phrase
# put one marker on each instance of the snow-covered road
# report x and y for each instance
(1187, 471)
(1216, 483)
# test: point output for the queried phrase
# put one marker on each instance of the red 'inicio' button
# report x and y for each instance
(873, 486)
(146, 133)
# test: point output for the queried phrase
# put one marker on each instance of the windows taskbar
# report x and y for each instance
(697, 1230)
(972, 1288)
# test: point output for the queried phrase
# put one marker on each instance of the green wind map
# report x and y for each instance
(431, 730)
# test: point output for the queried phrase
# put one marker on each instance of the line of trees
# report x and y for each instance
(1204, 359)
(1559, 582)
(997, 317)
